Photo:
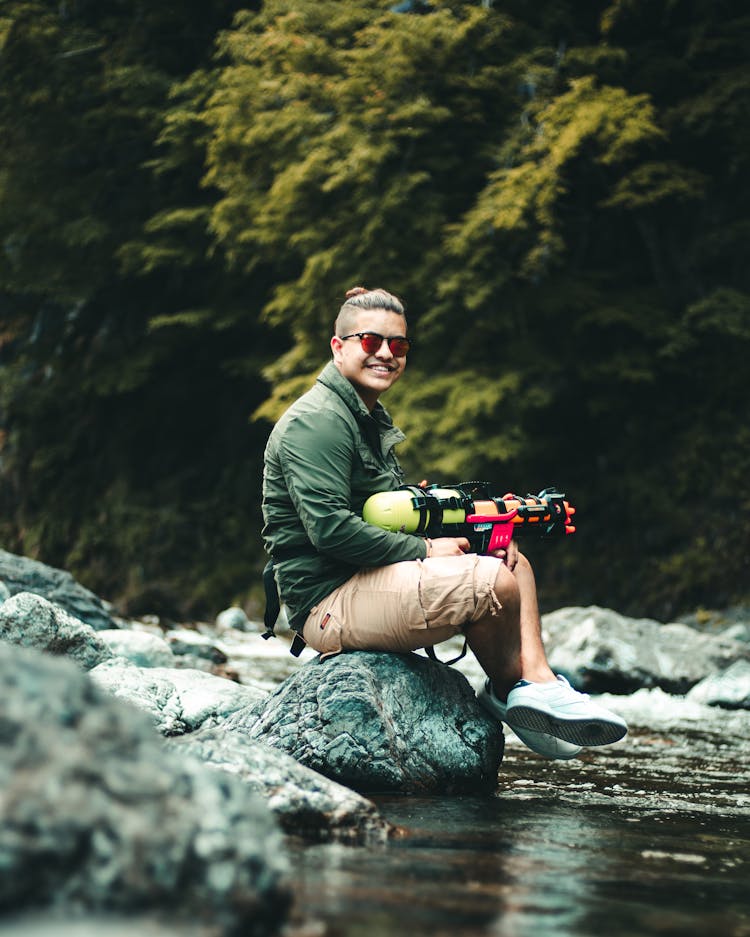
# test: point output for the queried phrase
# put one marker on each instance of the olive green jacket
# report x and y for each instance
(324, 458)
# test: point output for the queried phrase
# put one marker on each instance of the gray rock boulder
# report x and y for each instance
(177, 701)
(382, 722)
(600, 650)
(185, 642)
(139, 647)
(4, 592)
(729, 689)
(21, 574)
(29, 620)
(234, 619)
(738, 632)
(305, 803)
(96, 813)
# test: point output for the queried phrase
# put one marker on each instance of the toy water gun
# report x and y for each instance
(470, 510)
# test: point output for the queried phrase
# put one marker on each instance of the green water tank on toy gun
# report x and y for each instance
(470, 510)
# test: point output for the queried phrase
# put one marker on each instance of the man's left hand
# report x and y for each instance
(509, 555)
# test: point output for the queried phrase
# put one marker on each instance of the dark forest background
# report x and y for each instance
(558, 190)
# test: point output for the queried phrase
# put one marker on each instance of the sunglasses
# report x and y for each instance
(372, 342)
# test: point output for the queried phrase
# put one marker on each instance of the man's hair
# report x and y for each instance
(359, 298)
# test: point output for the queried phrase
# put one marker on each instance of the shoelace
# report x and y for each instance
(563, 682)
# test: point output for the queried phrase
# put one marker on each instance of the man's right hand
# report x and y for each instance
(449, 546)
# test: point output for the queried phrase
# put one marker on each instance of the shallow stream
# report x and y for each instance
(650, 836)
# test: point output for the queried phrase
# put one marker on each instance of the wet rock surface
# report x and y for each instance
(29, 620)
(95, 814)
(601, 651)
(382, 722)
(21, 574)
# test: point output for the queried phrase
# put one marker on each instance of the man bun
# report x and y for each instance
(358, 298)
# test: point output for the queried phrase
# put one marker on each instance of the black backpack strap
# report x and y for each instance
(430, 652)
(273, 610)
(298, 644)
(273, 605)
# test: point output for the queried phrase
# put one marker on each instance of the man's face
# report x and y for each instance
(370, 374)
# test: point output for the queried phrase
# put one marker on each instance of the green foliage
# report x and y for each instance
(586, 133)
(115, 463)
(557, 190)
(337, 135)
(464, 407)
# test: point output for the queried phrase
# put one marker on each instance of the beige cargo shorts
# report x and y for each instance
(404, 606)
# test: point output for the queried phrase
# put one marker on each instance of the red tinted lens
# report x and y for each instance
(371, 342)
(399, 346)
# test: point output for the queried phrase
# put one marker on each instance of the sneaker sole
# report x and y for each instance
(532, 744)
(488, 707)
(543, 748)
(584, 732)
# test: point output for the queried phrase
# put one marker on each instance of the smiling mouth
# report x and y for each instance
(383, 368)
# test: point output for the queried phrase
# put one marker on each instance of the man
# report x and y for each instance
(349, 585)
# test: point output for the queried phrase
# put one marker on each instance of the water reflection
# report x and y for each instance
(500, 868)
(651, 836)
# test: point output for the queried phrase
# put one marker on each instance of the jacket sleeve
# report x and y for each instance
(316, 454)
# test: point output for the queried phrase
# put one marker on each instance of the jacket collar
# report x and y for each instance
(377, 427)
(333, 379)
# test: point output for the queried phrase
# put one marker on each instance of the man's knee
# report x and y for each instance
(506, 587)
(522, 564)
(524, 575)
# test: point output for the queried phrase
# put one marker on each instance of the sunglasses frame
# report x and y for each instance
(383, 338)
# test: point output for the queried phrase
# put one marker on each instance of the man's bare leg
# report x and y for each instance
(496, 639)
(508, 645)
(549, 716)
(534, 665)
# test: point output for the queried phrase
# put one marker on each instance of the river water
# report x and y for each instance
(648, 836)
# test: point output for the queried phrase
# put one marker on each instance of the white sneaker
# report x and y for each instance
(563, 712)
(539, 742)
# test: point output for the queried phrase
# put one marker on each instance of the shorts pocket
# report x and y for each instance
(446, 591)
(411, 612)
(322, 631)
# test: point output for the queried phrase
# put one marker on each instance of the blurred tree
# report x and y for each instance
(557, 190)
(536, 184)
(126, 453)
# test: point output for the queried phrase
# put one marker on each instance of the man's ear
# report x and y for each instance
(336, 346)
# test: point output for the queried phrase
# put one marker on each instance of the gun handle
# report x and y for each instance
(502, 528)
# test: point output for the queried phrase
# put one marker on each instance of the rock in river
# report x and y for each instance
(178, 701)
(31, 621)
(96, 814)
(602, 651)
(21, 574)
(382, 722)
